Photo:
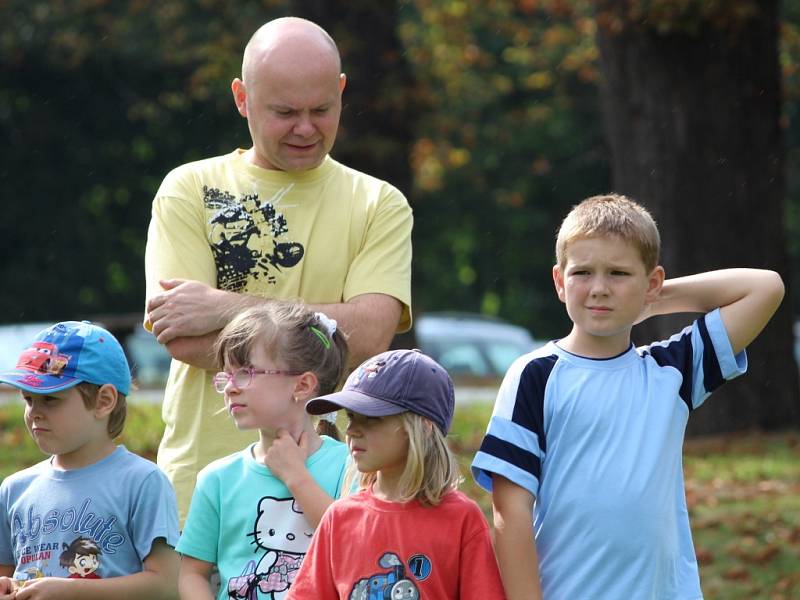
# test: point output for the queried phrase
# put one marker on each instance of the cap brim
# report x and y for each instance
(37, 383)
(353, 401)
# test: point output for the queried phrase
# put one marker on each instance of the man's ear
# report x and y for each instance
(342, 82)
(106, 400)
(305, 388)
(558, 281)
(239, 96)
(655, 281)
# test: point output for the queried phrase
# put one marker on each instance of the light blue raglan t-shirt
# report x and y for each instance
(122, 503)
(243, 519)
(598, 443)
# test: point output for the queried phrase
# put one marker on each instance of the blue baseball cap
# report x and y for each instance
(391, 383)
(67, 353)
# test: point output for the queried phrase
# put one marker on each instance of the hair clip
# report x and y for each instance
(322, 337)
(327, 323)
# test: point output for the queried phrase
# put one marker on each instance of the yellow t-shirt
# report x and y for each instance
(324, 235)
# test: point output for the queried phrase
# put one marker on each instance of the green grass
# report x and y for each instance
(743, 493)
(143, 430)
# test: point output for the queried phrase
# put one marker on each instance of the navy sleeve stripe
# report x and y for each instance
(712, 373)
(678, 353)
(529, 404)
(514, 455)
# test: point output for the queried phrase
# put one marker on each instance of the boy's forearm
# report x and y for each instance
(703, 292)
(747, 298)
(518, 562)
(512, 507)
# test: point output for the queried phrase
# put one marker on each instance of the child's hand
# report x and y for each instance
(8, 587)
(45, 588)
(286, 458)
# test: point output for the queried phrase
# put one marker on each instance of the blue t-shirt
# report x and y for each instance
(99, 521)
(598, 444)
(244, 519)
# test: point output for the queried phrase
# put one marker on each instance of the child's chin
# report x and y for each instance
(242, 425)
(45, 449)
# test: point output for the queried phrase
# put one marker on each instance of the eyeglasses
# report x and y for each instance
(244, 376)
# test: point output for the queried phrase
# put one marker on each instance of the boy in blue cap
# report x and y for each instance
(93, 520)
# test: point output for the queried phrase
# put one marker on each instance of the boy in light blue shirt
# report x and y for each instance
(93, 520)
(583, 450)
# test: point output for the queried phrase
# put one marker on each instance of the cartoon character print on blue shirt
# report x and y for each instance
(81, 558)
(282, 531)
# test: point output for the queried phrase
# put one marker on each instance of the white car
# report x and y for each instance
(472, 346)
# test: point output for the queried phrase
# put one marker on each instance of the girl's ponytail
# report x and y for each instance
(332, 372)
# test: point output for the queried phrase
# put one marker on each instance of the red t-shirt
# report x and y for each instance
(365, 546)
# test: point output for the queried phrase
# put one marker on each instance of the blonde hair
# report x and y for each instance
(431, 468)
(611, 214)
(116, 420)
(292, 336)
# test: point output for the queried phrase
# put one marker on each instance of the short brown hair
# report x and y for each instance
(116, 420)
(611, 214)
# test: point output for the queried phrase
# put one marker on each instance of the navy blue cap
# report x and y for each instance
(391, 383)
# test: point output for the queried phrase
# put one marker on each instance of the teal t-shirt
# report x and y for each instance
(244, 520)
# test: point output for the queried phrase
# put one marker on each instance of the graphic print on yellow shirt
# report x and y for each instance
(239, 229)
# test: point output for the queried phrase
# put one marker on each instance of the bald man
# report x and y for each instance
(280, 220)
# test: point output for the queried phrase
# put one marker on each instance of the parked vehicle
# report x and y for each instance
(472, 346)
(797, 342)
(149, 361)
(475, 349)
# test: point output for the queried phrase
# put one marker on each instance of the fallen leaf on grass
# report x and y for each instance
(759, 556)
(737, 573)
(706, 523)
(704, 556)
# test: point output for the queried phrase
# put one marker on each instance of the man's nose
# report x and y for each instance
(304, 127)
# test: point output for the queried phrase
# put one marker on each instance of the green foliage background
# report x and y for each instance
(497, 132)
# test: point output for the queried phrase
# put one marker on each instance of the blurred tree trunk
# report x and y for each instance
(378, 116)
(692, 108)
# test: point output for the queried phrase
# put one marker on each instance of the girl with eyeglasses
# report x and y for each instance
(253, 513)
